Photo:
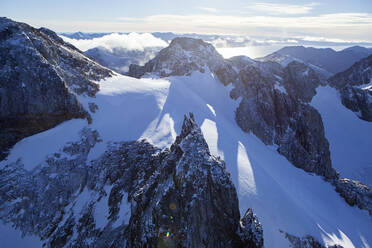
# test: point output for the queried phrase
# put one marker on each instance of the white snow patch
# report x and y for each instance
(280, 88)
(212, 109)
(124, 213)
(366, 86)
(101, 211)
(81, 202)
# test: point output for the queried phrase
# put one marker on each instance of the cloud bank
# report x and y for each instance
(287, 9)
(345, 26)
(130, 42)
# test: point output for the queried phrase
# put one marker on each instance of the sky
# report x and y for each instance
(328, 20)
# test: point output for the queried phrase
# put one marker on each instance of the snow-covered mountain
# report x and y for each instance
(39, 74)
(140, 173)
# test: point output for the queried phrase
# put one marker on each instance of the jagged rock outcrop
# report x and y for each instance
(251, 231)
(284, 60)
(182, 57)
(355, 193)
(38, 74)
(355, 87)
(307, 241)
(134, 195)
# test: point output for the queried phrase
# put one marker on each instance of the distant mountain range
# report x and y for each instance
(326, 58)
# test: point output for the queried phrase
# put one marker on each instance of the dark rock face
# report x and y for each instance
(182, 57)
(284, 60)
(300, 81)
(355, 193)
(358, 74)
(353, 95)
(38, 73)
(179, 197)
(251, 230)
(358, 100)
(306, 242)
(282, 118)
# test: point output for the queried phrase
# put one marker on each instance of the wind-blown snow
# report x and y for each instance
(283, 196)
(350, 138)
(131, 41)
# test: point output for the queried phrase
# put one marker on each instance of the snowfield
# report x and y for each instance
(281, 195)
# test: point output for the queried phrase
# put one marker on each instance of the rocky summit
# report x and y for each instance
(39, 77)
(355, 87)
(134, 196)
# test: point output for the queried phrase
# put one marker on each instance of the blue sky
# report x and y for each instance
(328, 20)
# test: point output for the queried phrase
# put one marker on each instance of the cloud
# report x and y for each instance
(212, 10)
(132, 41)
(286, 9)
(345, 26)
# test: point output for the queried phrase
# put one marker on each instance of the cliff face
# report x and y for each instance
(133, 196)
(355, 87)
(39, 77)
(277, 111)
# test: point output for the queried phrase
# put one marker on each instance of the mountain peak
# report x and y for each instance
(192, 45)
(184, 56)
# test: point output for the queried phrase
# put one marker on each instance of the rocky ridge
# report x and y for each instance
(178, 197)
(355, 87)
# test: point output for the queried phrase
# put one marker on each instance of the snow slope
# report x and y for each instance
(11, 238)
(350, 137)
(283, 197)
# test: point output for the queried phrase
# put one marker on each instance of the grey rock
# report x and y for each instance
(300, 81)
(251, 231)
(182, 57)
(307, 241)
(355, 193)
(358, 100)
(353, 95)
